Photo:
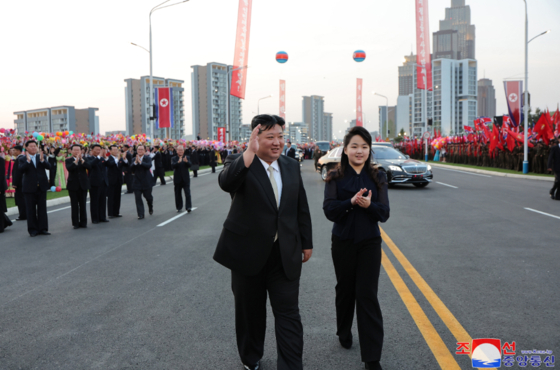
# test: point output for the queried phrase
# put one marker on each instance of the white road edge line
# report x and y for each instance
(176, 217)
(451, 186)
(468, 173)
(542, 213)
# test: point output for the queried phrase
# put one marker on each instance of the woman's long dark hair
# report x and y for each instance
(340, 170)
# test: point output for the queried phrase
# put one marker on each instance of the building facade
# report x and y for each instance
(327, 130)
(137, 106)
(456, 36)
(390, 120)
(486, 98)
(406, 75)
(210, 92)
(297, 133)
(61, 118)
(313, 110)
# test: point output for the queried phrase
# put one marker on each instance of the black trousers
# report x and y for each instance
(36, 209)
(147, 193)
(52, 175)
(79, 208)
(195, 173)
(159, 172)
(357, 269)
(128, 181)
(250, 294)
(98, 203)
(20, 202)
(179, 189)
(554, 191)
(213, 165)
(114, 199)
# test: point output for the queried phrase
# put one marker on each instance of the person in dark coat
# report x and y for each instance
(16, 183)
(127, 170)
(52, 161)
(142, 183)
(181, 179)
(116, 163)
(213, 159)
(554, 166)
(4, 220)
(78, 185)
(195, 163)
(35, 185)
(99, 183)
(158, 162)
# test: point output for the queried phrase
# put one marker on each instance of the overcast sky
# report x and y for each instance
(69, 52)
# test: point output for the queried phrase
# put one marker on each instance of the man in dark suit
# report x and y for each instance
(290, 152)
(195, 162)
(78, 185)
(35, 185)
(127, 170)
(99, 183)
(116, 163)
(181, 179)
(16, 183)
(266, 237)
(554, 166)
(4, 220)
(158, 163)
(142, 183)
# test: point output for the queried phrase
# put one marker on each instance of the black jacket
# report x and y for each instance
(16, 173)
(180, 170)
(77, 174)
(33, 176)
(142, 176)
(158, 160)
(554, 159)
(3, 183)
(254, 217)
(115, 171)
(291, 153)
(98, 172)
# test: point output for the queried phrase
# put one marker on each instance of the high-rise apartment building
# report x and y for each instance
(314, 116)
(406, 74)
(327, 127)
(486, 98)
(61, 118)
(297, 133)
(209, 98)
(456, 36)
(137, 106)
(388, 123)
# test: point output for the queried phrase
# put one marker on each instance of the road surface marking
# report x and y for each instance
(442, 354)
(468, 173)
(441, 309)
(451, 186)
(176, 217)
(542, 213)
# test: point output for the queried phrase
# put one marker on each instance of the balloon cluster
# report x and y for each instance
(439, 143)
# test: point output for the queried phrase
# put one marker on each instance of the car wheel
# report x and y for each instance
(324, 172)
(421, 185)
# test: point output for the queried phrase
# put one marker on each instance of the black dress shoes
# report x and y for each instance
(33, 234)
(346, 343)
(95, 222)
(21, 219)
(117, 216)
(254, 367)
(76, 227)
(151, 208)
(44, 233)
(373, 365)
(140, 217)
(189, 210)
(103, 220)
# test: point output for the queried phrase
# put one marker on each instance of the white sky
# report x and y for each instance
(69, 52)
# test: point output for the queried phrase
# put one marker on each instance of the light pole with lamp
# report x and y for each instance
(228, 97)
(526, 100)
(259, 103)
(150, 93)
(386, 114)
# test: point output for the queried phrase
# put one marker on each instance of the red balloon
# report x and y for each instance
(58, 189)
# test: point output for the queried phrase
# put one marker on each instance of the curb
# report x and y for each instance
(63, 200)
(501, 174)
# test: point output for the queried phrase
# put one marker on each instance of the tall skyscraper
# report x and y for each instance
(327, 127)
(209, 98)
(456, 36)
(137, 106)
(486, 98)
(314, 116)
(61, 118)
(406, 74)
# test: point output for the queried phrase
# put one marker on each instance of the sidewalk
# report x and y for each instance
(63, 200)
(493, 173)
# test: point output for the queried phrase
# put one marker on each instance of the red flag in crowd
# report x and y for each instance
(468, 128)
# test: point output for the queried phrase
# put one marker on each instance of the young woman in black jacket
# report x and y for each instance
(356, 199)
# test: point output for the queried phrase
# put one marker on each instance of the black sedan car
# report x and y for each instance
(399, 168)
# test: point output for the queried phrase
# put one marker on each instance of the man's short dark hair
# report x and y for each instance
(113, 145)
(30, 142)
(126, 146)
(18, 147)
(95, 145)
(267, 121)
(141, 145)
(78, 145)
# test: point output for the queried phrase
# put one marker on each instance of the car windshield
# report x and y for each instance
(380, 152)
(324, 146)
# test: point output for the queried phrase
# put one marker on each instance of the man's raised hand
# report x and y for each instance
(252, 147)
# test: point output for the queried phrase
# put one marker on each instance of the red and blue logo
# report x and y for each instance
(359, 56)
(281, 57)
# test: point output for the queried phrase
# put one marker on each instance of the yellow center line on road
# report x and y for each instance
(441, 309)
(444, 358)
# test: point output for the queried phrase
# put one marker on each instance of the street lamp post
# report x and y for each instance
(526, 94)
(386, 114)
(228, 97)
(259, 103)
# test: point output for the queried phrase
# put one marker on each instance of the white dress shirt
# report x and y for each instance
(277, 176)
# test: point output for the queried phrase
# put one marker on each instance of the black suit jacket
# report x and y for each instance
(98, 172)
(115, 171)
(181, 170)
(142, 175)
(33, 176)
(554, 159)
(291, 153)
(158, 160)
(254, 217)
(3, 183)
(77, 174)
(16, 173)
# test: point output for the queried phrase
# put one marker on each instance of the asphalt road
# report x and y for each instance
(463, 259)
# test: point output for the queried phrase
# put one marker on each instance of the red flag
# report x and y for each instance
(241, 56)
(519, 137)
(494, 138)
(468, 128)
(423, 36)
(541, 129)
(283, 99)
(359, 113)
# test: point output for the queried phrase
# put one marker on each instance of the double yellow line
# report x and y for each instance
(443, 356)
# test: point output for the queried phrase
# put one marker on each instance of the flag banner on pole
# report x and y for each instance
(164, 107)
(514, 94)
(423, 58)
(283, 99)
(222, 134)
(359, 113)
(241, 56)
